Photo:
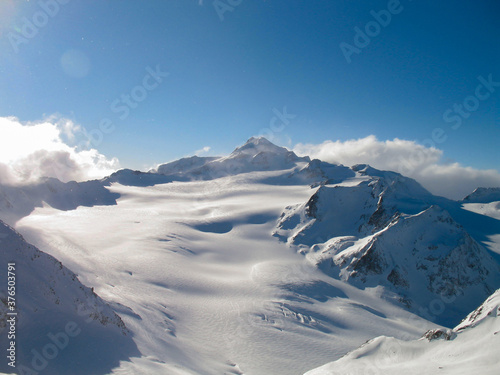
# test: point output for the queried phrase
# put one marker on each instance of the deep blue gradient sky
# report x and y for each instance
(226, 76)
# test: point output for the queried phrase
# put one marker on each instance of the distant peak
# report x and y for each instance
(259, 141)
(256, 145)
(483, 195)
(363, 168)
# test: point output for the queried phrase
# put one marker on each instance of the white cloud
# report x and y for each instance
(407, 157)
(30, 151)
(203, 150)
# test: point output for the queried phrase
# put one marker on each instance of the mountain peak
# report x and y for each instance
(257, 140)
(256, 145)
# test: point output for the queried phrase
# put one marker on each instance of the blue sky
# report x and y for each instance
(232, 68)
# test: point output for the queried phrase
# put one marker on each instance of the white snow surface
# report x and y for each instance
(47, 297)
(193, 271)
(472, 349)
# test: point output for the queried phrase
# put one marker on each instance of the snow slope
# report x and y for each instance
(208, 290)
(470, 348)
(50, 300)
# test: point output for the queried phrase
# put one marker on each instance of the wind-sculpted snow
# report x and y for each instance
(470, 348)
(61, 323)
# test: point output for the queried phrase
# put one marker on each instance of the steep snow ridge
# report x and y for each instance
(49, 297)
(489, 309)
(330, 212)
(472, 348)
(406, 194)
(483, 195)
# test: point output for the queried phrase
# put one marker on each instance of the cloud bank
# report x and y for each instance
(408, 158)
(30, 151)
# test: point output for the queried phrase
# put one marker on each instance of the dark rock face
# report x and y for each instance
(370, 263)
(311, 206)
(397, 279)
(439, 334)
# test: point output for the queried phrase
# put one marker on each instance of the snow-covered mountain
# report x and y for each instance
(470, 348)
(383, 229)
(356, 205)
(52, 307)
(235, 264)
(257, 154)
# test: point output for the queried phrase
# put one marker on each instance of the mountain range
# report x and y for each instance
(259, 262)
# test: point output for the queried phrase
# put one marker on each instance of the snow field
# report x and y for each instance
(193, 271)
